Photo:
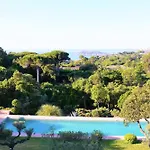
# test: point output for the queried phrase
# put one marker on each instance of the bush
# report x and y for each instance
(16, 106)
(1, 107)
(49, 110)
(83, 112)
(100, 112)
(96, 135)
(148, 129)
(75, 145)
(130, 138)
(5, 134)
(16, 103)
(115, 112)
(71, 135)
(95, 113)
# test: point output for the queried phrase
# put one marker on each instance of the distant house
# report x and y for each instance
(70, 68)
(116, 66)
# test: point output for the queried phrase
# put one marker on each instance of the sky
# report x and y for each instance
(74, 24)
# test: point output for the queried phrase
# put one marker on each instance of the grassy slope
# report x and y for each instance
(43, 144)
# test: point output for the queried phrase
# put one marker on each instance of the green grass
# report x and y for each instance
(121, 145)
(44, 144)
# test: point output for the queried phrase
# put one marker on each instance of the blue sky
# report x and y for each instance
(74, 24)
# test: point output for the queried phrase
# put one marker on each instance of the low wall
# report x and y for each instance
(4, 112)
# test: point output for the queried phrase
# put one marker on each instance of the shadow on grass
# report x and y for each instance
(112, 145)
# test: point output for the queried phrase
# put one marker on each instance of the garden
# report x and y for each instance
(65, 140)
(47, 84)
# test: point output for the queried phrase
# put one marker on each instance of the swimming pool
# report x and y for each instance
(108, 127)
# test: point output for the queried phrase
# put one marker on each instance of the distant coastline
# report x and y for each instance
(75, 53)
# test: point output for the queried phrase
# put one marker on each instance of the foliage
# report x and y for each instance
(6, 138)
(146, 62)
(122, 98)
(84, 86)
(134, 76)
(96, 135)
(110, 75)
(148, 130)
(49, 72)
(137, 106)
(4, 60)
(115, 112)
(49, 110)
(88, 83)
(100, 95)
(24, 88)
(71, 135)
(130, 138)
(115, 92)
(100, 112)
(3, 73)
(16, 106)
(95, 78)
(56, 144)
(75, 145)
(83, 112)
(91, 67)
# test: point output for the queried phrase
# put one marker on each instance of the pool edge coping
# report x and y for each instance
(28, 117)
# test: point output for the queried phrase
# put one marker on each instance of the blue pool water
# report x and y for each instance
(108, 128)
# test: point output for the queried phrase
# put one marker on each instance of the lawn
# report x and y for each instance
(44, 144)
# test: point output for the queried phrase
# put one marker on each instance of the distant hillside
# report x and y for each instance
(92, 53)
(74, 55)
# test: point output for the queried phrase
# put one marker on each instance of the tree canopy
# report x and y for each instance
(29, 80)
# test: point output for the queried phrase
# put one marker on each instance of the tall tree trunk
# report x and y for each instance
(145, 134)
(38, 74)
(147, 120)
(85, 103)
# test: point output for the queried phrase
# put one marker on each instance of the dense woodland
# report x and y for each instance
(95, 86)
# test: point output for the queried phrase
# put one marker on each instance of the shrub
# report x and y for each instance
(88, 114)
(16, 106)
(83, 112)
(75, 145)
(96, 135)
(1, 107)
(16, 103)
(130, 138)
(115, 112)
(67, 109)
(49, 110)
(100, 112)
(71, 135)
(95, 113)
(5, 134)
